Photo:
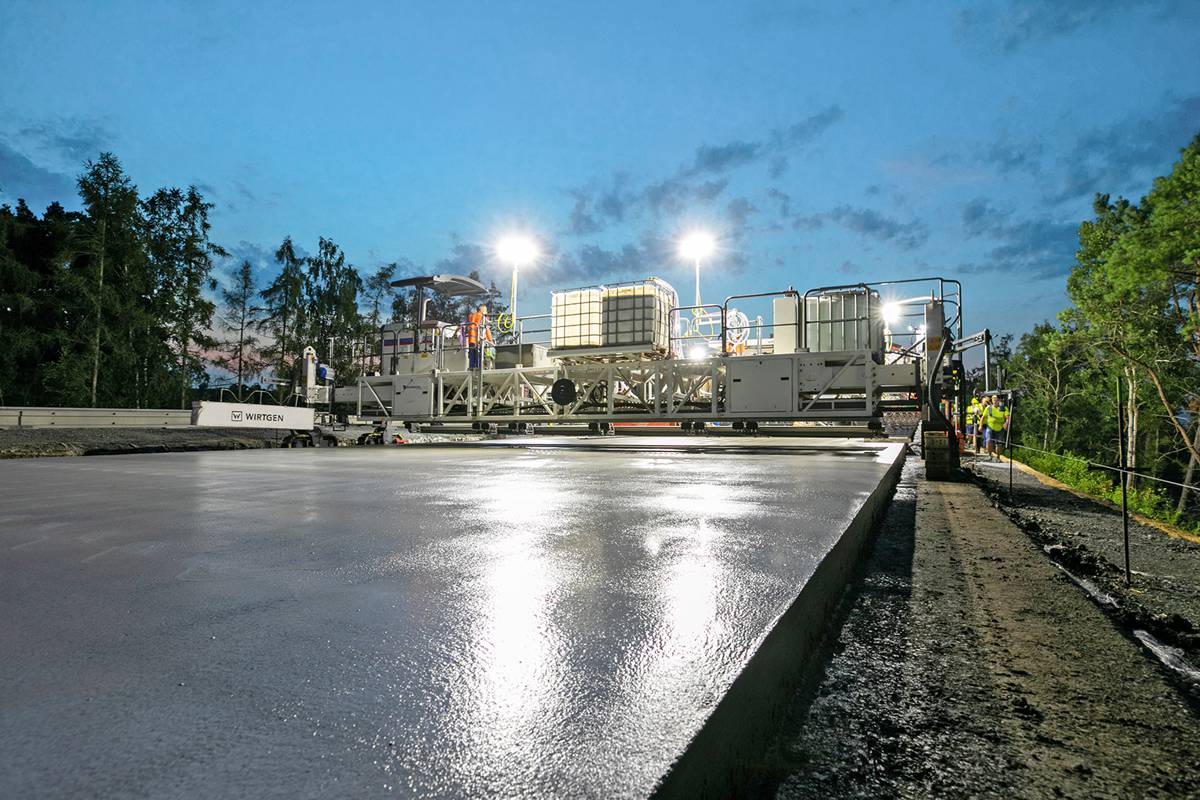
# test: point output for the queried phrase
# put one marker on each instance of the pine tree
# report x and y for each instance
(240, 354)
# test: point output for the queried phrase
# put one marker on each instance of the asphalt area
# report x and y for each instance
(969, 665)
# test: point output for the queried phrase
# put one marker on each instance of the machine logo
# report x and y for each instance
(235, 416)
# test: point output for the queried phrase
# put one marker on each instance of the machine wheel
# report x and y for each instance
(593, 427)
(606, 429)
(698, 426)
(752, 427)
(686, 425)
(738, 425)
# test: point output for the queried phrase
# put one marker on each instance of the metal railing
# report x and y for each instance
(795, 295)
(692, 330)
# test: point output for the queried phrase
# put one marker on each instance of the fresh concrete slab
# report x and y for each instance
(435, 621)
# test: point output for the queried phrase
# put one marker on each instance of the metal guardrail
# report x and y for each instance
(50, 417)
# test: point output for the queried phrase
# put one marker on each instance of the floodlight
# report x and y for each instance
(697, 245)
(517, 251)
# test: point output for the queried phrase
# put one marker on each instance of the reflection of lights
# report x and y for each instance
(698, 352)
(516, 636)
(890, 313)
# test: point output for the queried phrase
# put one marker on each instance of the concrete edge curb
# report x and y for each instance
(739, 727)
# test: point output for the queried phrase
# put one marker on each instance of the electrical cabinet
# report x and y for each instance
(412, 396)
(759, 385)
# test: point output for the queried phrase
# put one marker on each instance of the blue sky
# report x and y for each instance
(825, 143)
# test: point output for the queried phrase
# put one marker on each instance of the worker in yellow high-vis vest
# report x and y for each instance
(995, 421)
(973, 409)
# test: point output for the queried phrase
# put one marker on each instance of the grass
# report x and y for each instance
(1145, 499)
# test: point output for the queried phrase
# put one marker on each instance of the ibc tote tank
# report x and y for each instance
(848, 320)
(632, 318)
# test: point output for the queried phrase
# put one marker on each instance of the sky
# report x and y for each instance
(821, 143)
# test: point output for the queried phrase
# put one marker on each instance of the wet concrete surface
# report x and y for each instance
(432, 621)
(968, 666)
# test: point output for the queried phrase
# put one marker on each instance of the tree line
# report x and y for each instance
(1134, 319)
(116, 305)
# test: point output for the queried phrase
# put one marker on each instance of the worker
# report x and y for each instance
(995, 419)
(973, 410)
(477, 321)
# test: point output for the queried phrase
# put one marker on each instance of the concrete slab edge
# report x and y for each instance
(715, 763)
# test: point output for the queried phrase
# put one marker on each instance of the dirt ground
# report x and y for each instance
(969, 665)
(1086, 537)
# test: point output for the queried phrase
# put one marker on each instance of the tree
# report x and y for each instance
(1043, 367)
(331, 288)
(180, 247)
(284, 318)
(379, 295)
(240, 353)
(1165, 251)
(110, 240)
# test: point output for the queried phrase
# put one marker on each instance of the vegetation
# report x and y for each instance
(116, 305)
(1134, 320)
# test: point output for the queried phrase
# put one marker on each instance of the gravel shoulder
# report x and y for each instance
(1086, 537)
(40, 442)
(968, 665)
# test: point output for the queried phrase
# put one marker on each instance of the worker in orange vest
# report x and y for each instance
(475, 321)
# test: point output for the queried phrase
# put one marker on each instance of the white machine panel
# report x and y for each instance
(210, 414)
(413, 396)
(759, 385)
(784, 332)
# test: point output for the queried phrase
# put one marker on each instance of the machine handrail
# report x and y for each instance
(688, 336)
(789, 292)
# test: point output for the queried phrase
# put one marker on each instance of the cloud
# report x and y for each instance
(721, 158)
(806, 130)
(739, 210)
(1008, 156)
(874, 225)
(866, 222)
(1122, 158)
(781, 141)
(1012, 24)
(72, 139)
(980, 218)
(22, 178)
(261, 258)
(1038, 248)
(619, 199)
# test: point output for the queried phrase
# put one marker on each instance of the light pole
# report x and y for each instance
(517, 251)
(695, 247)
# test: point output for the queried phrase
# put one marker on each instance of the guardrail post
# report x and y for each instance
(1124, 480)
